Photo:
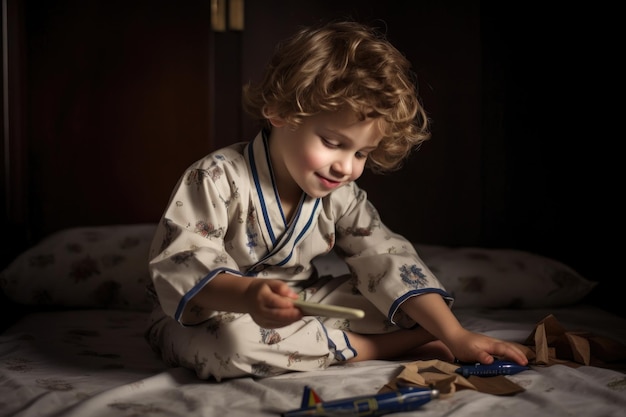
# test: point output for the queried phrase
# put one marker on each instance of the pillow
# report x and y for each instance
(90, 267)
(107, 267)
(504, 278)
(492, 278)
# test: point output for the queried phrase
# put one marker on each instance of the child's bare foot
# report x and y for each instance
(431, 350)
(411, 344)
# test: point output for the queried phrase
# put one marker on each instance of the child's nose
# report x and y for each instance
(343, 166)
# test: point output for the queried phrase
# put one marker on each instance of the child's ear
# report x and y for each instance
(273, 117)
(277, 121)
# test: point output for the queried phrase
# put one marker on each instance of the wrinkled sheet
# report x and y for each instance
(96, 363)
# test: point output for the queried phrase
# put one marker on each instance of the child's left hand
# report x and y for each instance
(473, 347)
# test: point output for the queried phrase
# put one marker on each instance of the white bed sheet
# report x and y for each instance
(96, 363)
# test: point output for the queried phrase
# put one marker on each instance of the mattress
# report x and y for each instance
(81, 350)
(97, 363)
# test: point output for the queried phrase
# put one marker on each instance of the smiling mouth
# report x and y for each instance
(328, 183)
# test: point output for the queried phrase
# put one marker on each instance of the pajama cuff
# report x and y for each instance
(339, 345)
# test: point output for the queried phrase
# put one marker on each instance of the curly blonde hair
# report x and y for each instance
(344, 63)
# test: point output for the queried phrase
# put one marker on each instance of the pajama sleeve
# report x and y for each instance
(385, 266)
(188, 249)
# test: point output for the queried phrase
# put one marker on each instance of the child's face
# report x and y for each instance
(325, 152)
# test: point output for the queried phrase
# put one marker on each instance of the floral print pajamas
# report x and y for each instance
(224, 215)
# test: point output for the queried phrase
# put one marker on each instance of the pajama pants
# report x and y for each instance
(232, 345)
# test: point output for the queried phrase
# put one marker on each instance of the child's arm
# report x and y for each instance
(434, 315)
(263, 299)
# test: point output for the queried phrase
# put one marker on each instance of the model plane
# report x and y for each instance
(403, 399)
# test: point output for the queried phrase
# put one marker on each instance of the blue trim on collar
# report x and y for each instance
(303, 231)
(259, 191)
(268, 159)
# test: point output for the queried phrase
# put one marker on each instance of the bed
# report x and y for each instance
(80, 351)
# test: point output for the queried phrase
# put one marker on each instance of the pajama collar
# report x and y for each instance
(282, 237)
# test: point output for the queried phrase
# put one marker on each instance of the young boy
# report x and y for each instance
(243, 224)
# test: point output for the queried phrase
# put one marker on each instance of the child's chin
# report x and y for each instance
(319, 194)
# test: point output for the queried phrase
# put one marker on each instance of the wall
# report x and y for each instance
(118, 97)
(552, 182)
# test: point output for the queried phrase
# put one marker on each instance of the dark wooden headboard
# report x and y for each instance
(106, 110)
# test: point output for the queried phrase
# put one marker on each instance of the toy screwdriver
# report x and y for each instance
(498, 367)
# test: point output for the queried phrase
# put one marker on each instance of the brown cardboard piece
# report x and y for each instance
(550, 343)
(442, 376)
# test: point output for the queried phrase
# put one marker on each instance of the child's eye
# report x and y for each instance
(330, 144)
(360, 155)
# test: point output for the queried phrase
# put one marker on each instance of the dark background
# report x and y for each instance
(106, 102)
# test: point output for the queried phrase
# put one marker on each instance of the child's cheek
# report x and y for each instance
(314, 160)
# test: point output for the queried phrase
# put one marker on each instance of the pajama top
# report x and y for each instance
(224, 215)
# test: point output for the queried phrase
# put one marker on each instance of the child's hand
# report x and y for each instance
(471, 347)
(432, 313)
(269, 305)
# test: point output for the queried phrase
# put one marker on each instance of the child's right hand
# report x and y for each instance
(268, 303)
